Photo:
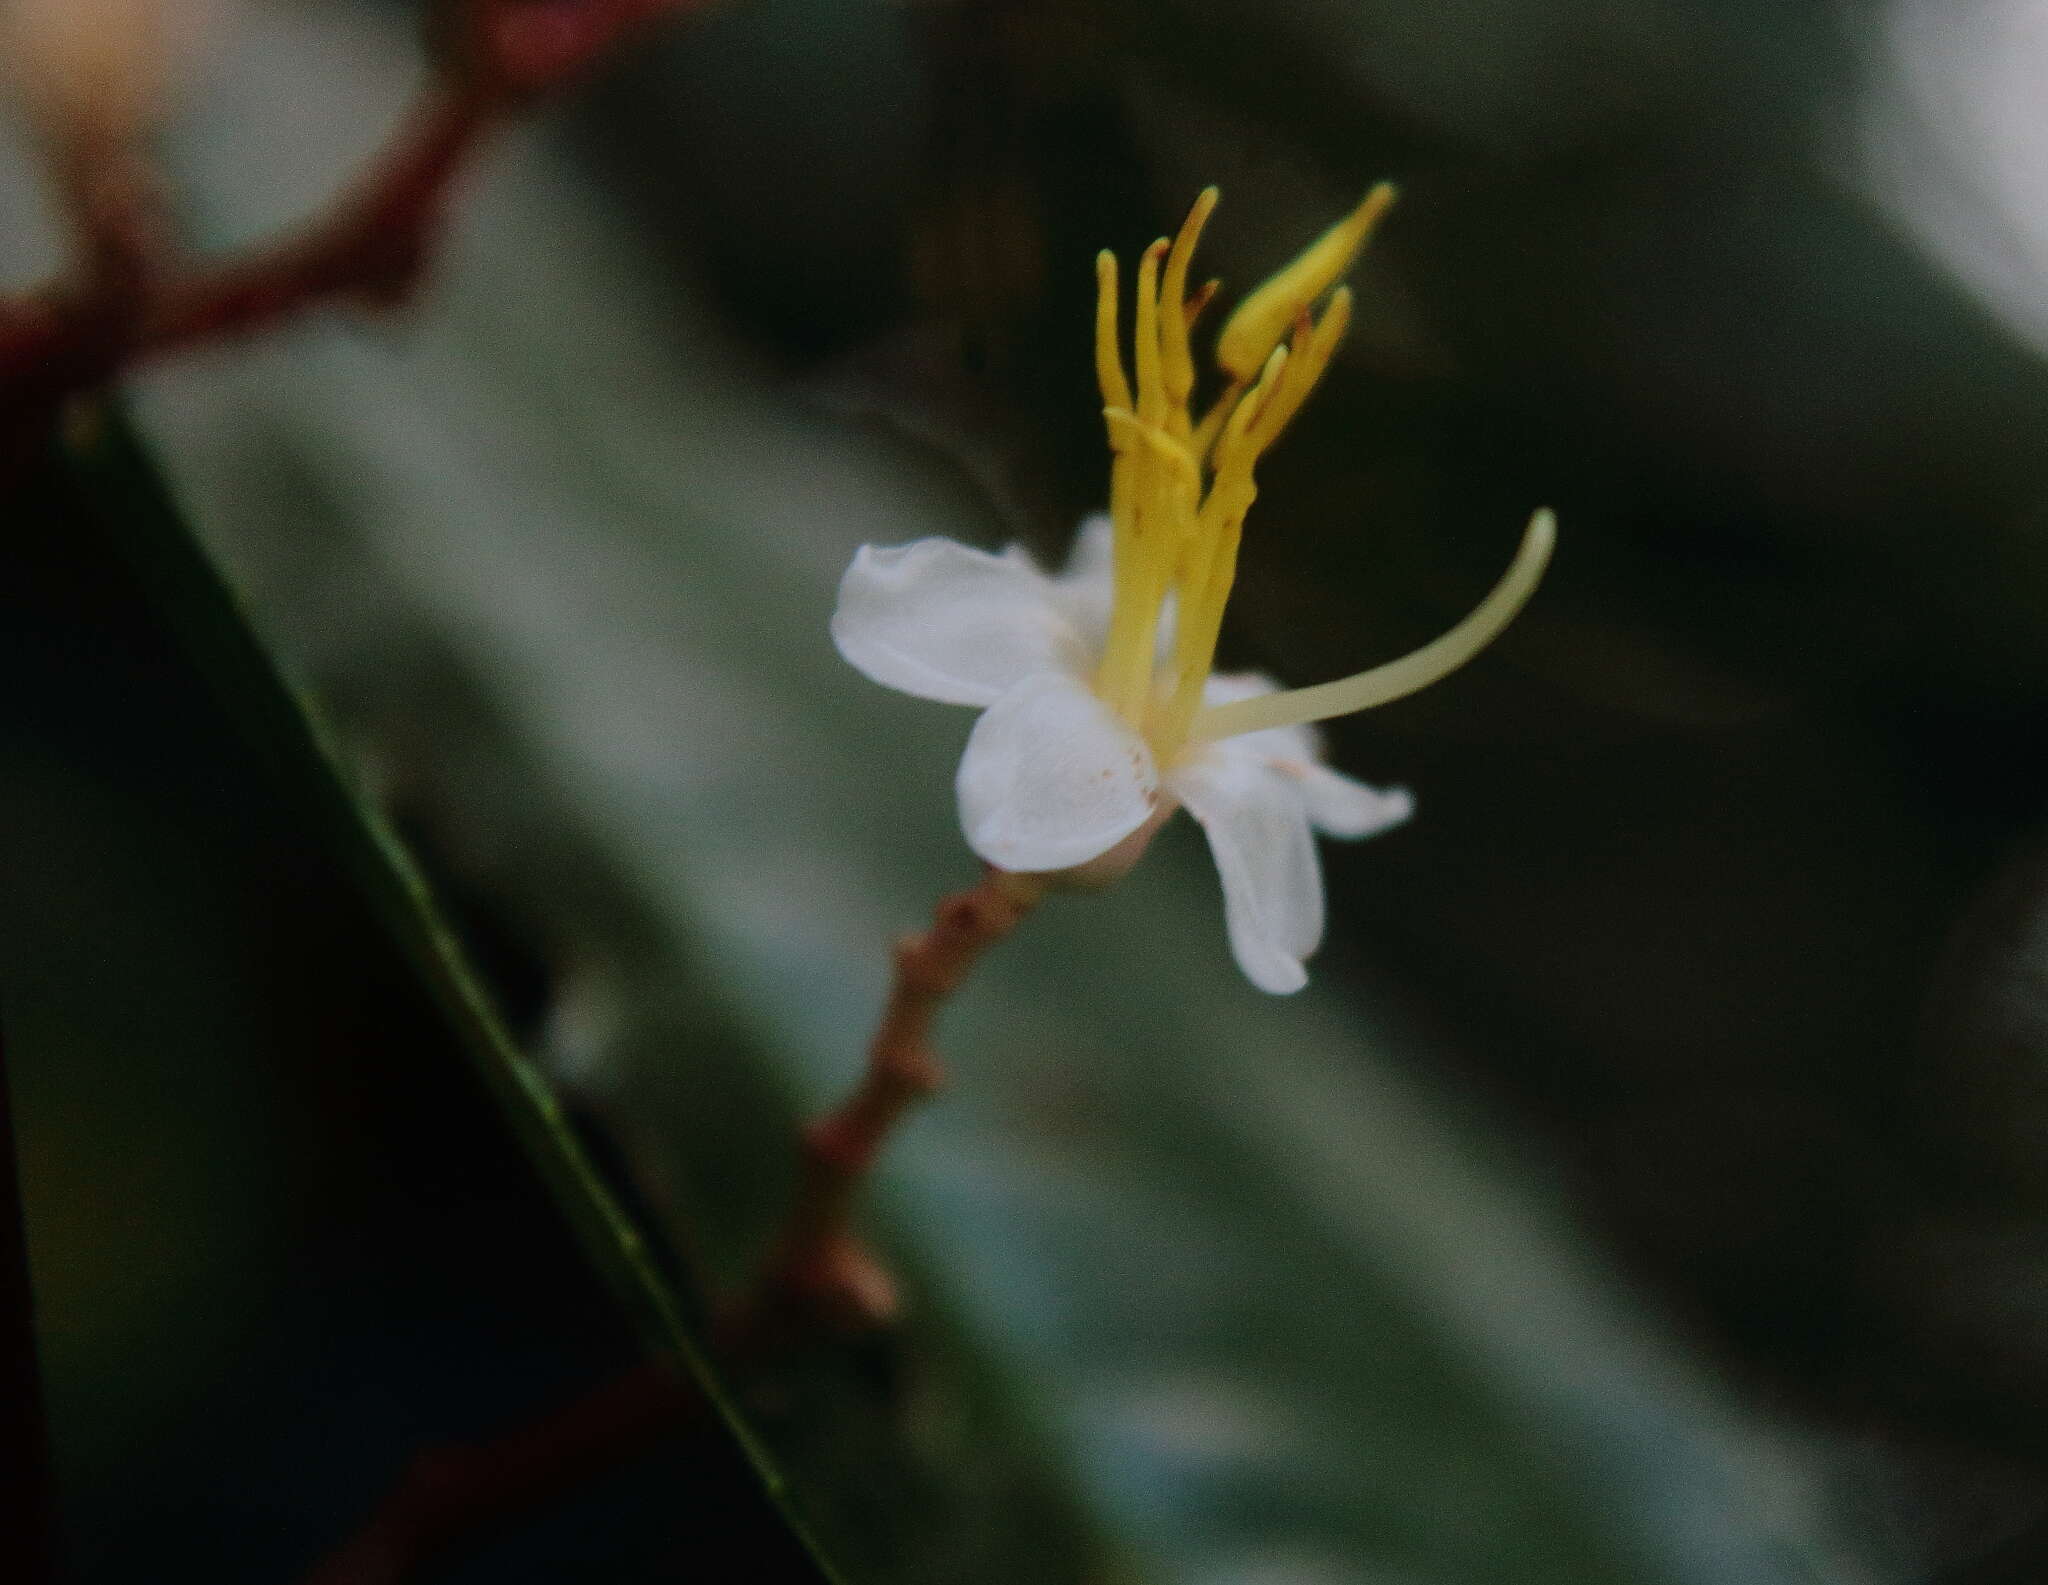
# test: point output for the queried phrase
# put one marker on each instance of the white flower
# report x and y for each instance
(1100, 712)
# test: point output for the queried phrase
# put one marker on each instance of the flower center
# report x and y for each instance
(1180, 487)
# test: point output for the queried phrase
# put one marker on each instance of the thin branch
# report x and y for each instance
(28, 1533)
(820, 1273)
(373, 244)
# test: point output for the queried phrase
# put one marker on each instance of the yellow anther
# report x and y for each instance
(1264, 318)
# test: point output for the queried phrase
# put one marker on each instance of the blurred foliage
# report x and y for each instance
(280, 1245)
(1723, 909)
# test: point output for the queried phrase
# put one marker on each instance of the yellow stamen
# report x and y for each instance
(1263, 318)
(1109, 362)
(1121, 654)
(1212, 421)
(1211, 565)
(1179, 490)
(1147, 538)
(1311, 355)
(1176, 366)
(1125, 597)
(1145, 348)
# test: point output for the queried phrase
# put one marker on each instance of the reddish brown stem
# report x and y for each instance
(820, 1273)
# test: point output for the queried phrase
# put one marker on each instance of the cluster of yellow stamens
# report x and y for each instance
(1180, 488)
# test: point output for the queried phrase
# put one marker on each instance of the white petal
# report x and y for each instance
(1087, 562)
(1336, 803)
(1258, 829)
(1342, 807)
(947, 622)
(1086, 583)
(1052, 777)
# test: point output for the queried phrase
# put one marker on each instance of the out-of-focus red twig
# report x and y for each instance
(373, 243)
(125, 303)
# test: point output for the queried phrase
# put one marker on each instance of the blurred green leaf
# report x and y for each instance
(287, 728)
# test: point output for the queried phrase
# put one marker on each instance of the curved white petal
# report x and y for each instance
(1337, 804)
(1052, 777)
(1343, 807)
(947, 622)
(1258, 827)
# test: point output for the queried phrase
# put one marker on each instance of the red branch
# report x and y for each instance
(373, 244)
(820, 1272)
(125, 304)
